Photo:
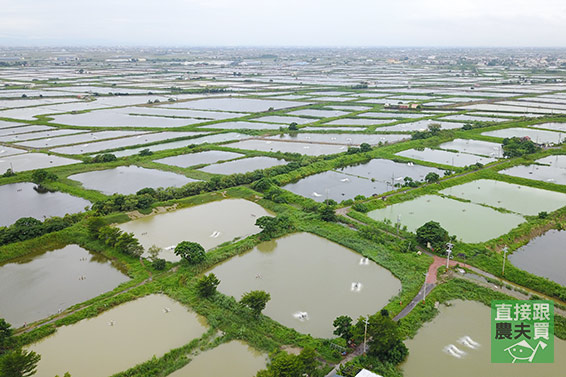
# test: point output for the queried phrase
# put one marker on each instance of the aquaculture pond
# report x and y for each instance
(209, 224)
(237, 104)
(549, 169)
(544, 256)
(243, 165)
(32, 161)
(41, 284)
(242, 126)
(521, 199)
(467, 221)
(466, 325)
(129, 179)
(346, 139)
(336, 186)
(76, 139)
(310, 149)
(445, 157)
(375, 177)
(25, 200)
(237, 360)
(552, 126)
(482, 148)
(538, 136)
(8, 151)
(192, 159)
(296, 271)
(420, 125)
(284, 119)
(217, 138)
(119, 338)
(123, 142)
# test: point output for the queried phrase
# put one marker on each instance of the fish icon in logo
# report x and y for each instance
(524, 351)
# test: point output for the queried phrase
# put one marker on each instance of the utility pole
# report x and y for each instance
(505, 250)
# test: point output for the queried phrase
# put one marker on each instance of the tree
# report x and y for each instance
(145, 152)
(94, 224)
(365, 147)
(159, 264)
(434, 128)
(206, 286)
(109, 235)
(385, 340)
(9, 173)
(106, 157)
(327, 213)
(40, 176)
(129, 244)
(343, 327)
(432, 177)
(273, 226)
(154, 251)
(293, 127)
(192, 252)
(256, 301)
(6, 339)
(518, 146)
(434, 233)
(282, 365)
(19, 363)
(307, 360)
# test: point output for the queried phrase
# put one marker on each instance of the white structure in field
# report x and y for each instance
(367, 373)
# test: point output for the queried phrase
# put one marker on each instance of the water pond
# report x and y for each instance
(243, 165)
(294, 269)
(31, 161)
(129, 179)
(22, 200)
(238, 360)
(310, 149)
(445, 157)
(538, 136)
(192, 159)
(116, 337)
(544, 256)
(521, 199)
(472, 319)
(39, 285)
(481, 148)
(209, 224)
(469, 222)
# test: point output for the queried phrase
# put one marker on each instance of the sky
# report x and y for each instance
(325, 23)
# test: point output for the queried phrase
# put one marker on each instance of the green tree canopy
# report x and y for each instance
(256, 301)
(385, 340)
(206, 286)
(40, 176)
(192, 252)
(434, 233)
(6, 332)
(432, 177)
(518, 146)
(19, 363)
(343, 327)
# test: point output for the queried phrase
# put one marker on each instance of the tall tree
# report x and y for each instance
(19, 363)
(206, 286)
(256, 301)
(192, 252)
